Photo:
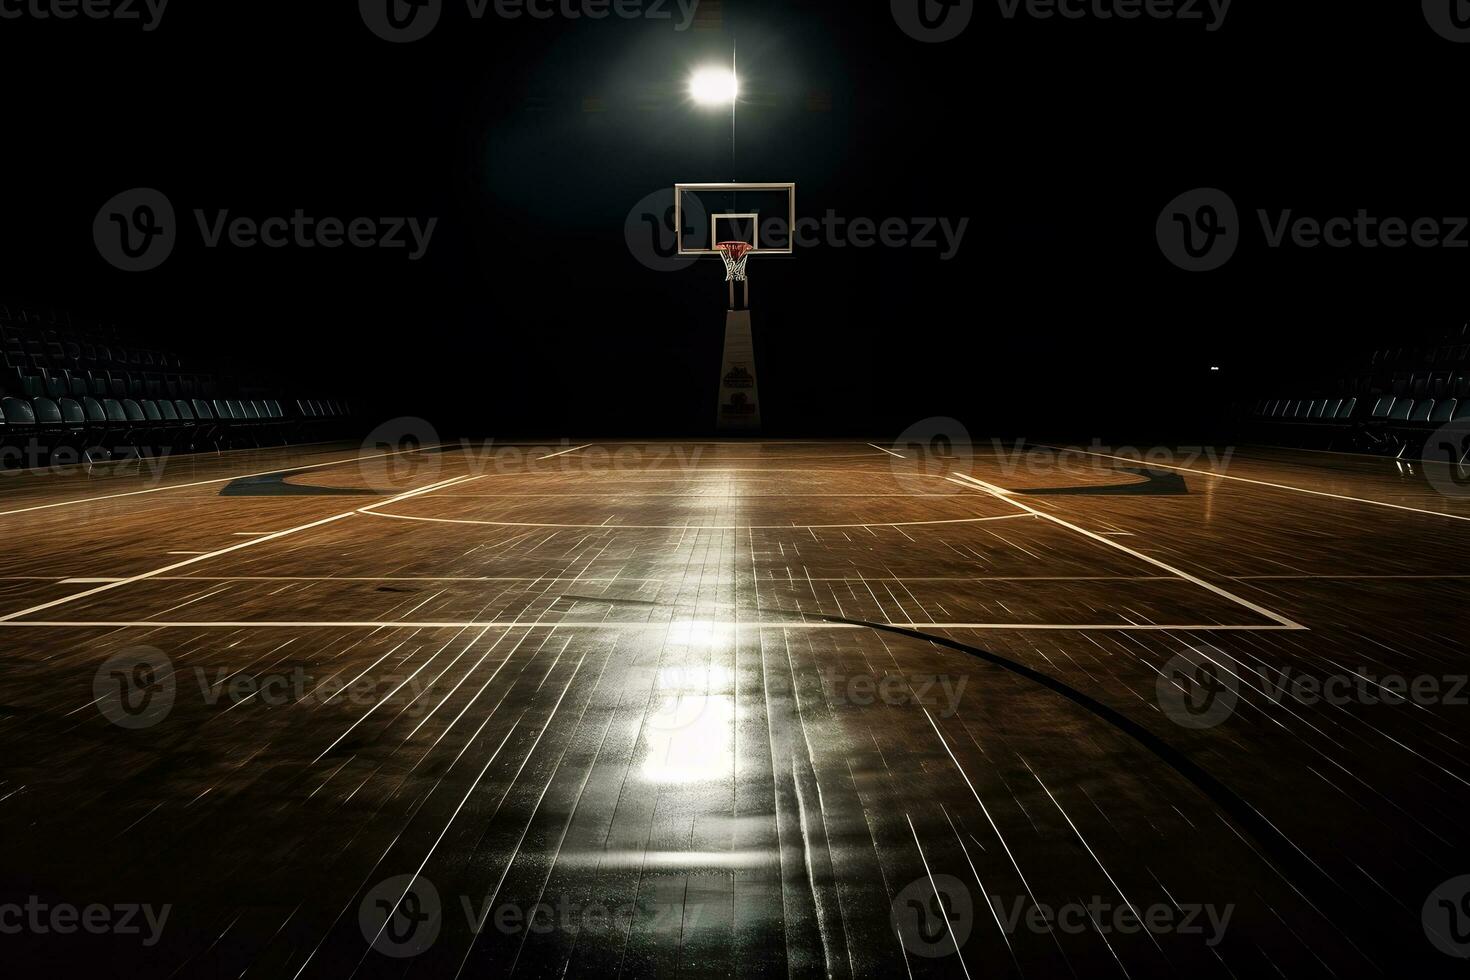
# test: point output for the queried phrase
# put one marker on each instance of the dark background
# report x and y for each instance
(533, 140)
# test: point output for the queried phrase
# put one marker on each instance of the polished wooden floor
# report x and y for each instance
(730, 709)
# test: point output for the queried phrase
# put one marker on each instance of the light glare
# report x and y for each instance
(714, 86)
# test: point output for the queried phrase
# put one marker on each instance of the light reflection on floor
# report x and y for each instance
(689, 727)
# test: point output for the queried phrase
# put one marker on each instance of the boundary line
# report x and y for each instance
(672, 624)
(1275, 486)
(205, 483)
(206, 556)
(1005, 495)
(690, 527)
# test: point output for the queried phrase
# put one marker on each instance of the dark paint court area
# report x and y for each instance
(760, 488)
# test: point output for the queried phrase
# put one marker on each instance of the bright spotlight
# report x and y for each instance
(714, 86)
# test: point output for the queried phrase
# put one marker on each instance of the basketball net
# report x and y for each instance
(735, 255)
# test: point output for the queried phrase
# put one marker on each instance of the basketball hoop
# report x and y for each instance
(735, 255)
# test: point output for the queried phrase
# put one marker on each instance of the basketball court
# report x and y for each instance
(734, 708)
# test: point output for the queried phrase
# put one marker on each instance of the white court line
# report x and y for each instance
(80, 467)
(205, 483)
(9, 617)
(1265, 483)
(1005, 495)
(675, 624)
(888, 451)
(690, 527)
(1339, 452)
(564, 452)
(672, 579)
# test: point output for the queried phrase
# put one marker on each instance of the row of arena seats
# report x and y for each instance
(1445, 356)
(28, 381)
(1391, 404)
(44, 430)
(1329, 411)
(1388, 409)
(1420, 411)
(45, 345)
(1433, 384)
(1389, 424)
(1443, 349)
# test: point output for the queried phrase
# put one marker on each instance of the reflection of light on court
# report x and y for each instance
(688, 726)
(697, 751)
(680, 695)
(699, 632)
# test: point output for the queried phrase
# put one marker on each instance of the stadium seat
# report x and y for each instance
(20, 424)
(1444, 410)
(206, 428)
(73, 423)
(1422, 411)
(49, 428)
(116, 438)
(176, 433)
(1401, 410)
(1345, 411)
(96, 434)
(153, 436)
